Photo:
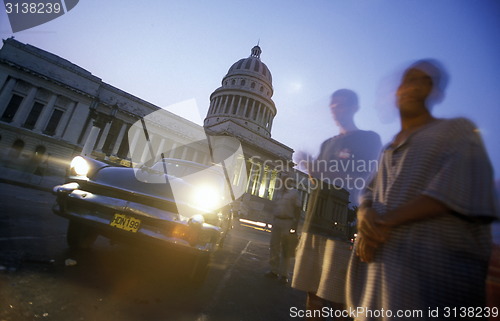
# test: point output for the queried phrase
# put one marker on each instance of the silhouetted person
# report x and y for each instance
(286, 214)
(423, 224)
(322, 258)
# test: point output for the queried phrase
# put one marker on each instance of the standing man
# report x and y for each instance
(286, 215)
(322, 259)
(424, 222)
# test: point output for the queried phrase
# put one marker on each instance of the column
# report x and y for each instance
(119, 139)
(261, 180)
(218, 105)
(44, 116)
(260, 114)
(133, 142)
(242, 165)
(6, 94)
(76, 123)
(184, 153)
(146, 153)
(222, 100)
(263, 118)
(214, 107)
(256, 172)
(256, 112)
(246, 107)
(238, 106)
(65, 119)
(268, 180)
(225, 104)
(90, 142)
(105, 133)
(25, 107)
(100, 121)
(233, 106)
(88, 128)
(250, 112)
(250, 178)
(172, 150)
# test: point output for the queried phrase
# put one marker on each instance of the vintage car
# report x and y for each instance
(174, 204)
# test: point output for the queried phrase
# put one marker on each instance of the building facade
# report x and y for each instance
(52, 110)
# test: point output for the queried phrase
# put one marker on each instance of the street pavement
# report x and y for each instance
(121, 283)
(114, 282)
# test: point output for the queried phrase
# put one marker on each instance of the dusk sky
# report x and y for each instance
(167, 52)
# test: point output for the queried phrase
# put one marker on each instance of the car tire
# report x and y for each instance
(80, 236)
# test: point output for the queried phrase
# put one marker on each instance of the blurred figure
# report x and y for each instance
(424, 222)
(286, 215)
(321, 262)
(493, 279)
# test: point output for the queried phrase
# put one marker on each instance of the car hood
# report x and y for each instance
(152, 186)
(157, 185)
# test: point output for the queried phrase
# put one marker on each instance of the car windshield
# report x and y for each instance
(182, 169)
(178, 168)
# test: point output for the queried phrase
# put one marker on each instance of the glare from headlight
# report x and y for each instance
(197, 219)
(80, 166)
(207, 197)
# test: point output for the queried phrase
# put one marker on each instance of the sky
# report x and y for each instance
(166, 52)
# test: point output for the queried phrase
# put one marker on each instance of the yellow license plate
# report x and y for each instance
(126, 223)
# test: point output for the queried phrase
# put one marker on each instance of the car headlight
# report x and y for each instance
(207, 197)
(80, 166)
(197, 219)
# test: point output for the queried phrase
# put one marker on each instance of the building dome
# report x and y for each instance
(252, 66)
(245, 97)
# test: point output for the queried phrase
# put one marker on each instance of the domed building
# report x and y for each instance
(245, 96)
(243, 108)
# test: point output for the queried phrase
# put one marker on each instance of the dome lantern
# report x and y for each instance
(256, 51)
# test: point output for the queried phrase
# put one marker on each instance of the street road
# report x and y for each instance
(118, 282)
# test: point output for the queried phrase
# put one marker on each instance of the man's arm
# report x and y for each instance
(421, 208)
(374, 229)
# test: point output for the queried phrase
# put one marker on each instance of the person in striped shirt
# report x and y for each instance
(424, 236)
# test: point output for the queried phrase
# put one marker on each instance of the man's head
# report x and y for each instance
(343, 105)
(422, 85)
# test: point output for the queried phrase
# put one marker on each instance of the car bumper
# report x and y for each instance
(157, 227)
